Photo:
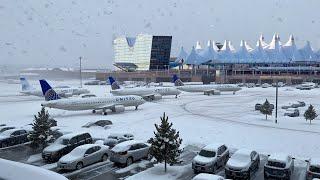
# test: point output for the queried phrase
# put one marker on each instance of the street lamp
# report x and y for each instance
(80, 59)
(276, 120)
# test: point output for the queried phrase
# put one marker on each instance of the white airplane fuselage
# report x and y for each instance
(63, 92)
(94, 103)
(208, 87)
(143, 91)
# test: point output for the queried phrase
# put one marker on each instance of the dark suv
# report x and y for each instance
(13, 137)
(279, 166)
(64, 145)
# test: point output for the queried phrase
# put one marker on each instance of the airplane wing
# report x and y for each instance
(151, 97)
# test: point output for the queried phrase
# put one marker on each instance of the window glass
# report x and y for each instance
(206, 153)
(73, 140)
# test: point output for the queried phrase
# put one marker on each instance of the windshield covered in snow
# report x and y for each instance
(276, 164)
(241, 156)
(77, 152)
(206, 153)
(6, 133)
(314, 169)
(113, 137)
(62, 141)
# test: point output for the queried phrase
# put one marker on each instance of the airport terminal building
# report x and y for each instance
(143, 52)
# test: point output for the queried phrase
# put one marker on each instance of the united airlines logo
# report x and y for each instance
(125, 99)
(51, 95)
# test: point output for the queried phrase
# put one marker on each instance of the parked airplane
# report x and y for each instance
(147, 93)
(63, 91)
(206, 88)
(115, 104)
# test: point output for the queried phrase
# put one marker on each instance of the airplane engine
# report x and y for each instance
(212, 92)
(118, 108)
(152, 97)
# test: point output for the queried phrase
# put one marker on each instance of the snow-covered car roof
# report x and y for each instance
(205, 176)
(124, 146)
(279, 158)
(241, 158)
(71, 135)
(9, 131)
(315, 162)
(213, 146)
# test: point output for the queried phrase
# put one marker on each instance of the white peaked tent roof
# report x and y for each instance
(259, 53)
(291, 51)
(208, 53)
(214, 46)
(243, 54)
(263, 43)
(226, 53)
(182, 55)
(198, 46)
(275, 51)
(194, 58)
(307, 52)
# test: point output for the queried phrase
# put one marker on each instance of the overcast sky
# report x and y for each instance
(57, 32)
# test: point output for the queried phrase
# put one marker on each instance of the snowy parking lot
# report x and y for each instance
(226, 118)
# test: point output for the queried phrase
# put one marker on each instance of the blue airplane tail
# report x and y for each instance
(47, 91)
(177, 81)
(113, 83)
(25, 84)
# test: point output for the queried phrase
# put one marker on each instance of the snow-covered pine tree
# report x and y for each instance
(266, 108)
(41, 133)
(310, 114)
(166, 143)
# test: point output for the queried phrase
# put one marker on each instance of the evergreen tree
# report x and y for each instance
(41, 133)
(310, 114)
(266, 109)
(165, 145)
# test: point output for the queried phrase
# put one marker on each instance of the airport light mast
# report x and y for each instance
(276, 120)
(80, 58)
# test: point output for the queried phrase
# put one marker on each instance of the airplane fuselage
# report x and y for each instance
(203, 88)
(143, 91)
(94, 103)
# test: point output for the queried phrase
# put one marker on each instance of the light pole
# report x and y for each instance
(80, 58)
(276, 121)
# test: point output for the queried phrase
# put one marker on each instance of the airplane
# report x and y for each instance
(206, 88)
(115, 104)
(147, 93)
(63, 91)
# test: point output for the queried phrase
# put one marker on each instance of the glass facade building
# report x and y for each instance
(146, 51)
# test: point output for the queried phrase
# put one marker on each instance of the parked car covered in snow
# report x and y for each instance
(114, 139)
(127, 152)
(257, 107)
(4, 128)
(279, 166)
(242, 164)
(83, 155)
(64, 145)
(265, 85)
(205, 176)
(13, 137)
(294, 113)
(313, 169)
(299, 104)
(211, 158)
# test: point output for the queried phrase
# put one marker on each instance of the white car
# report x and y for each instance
(211, 158)
(313, 169)
(279, 166)
(205, 176)
(242, 164)
(83, 156)
(265, 85)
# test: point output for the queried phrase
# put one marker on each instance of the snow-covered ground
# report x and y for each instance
(201, 119)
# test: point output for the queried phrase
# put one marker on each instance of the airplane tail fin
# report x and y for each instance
(177, 81)
(25, 84)
(47, 91)
(113, 83)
